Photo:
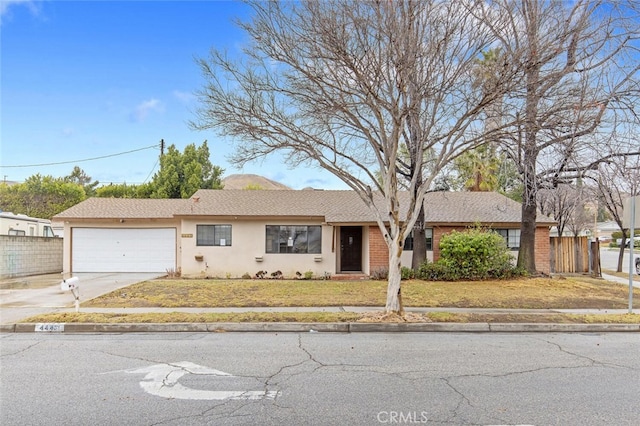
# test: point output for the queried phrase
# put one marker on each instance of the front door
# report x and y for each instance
(351, 248)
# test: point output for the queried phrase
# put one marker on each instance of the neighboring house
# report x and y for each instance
(23, 225)
(229, 233)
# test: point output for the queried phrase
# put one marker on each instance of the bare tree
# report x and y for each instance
(576, 79)
(560, 203)
(614, 183)
(343, 85)
(572, 206)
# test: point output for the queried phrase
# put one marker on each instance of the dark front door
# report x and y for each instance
(351, 248)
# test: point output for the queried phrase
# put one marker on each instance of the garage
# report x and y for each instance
(123, 249)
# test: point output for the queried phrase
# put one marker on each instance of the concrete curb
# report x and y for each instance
(322, 328)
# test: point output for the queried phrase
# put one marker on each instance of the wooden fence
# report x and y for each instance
(573, 254)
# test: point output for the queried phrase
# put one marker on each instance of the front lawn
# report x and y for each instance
(525, 293)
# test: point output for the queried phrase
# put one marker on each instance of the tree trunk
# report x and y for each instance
(419, 242)
(527, 252)
(394, 296)
(623, 242)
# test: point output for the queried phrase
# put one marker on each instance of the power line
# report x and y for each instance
(80, 161)
(154, 167)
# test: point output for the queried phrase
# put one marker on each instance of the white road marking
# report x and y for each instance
(162, 380)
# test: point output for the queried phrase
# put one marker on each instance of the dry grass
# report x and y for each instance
(179, 317)
(532, 293)
(315, 317)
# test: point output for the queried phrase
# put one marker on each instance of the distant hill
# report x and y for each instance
(249, 181)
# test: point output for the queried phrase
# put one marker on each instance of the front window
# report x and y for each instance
(213, 235)
(511, 237)
(293, 239)
(428, 233)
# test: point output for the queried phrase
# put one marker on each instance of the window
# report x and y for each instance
(48, 232)
(293, 239)
(213, 235)
(428, 233)
(511, 236)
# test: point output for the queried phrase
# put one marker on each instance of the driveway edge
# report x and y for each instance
(321, 327)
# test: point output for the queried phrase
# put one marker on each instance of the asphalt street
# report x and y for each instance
(320, 379)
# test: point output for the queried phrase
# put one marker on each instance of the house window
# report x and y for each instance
(293, 239)
(213, 235)
(428, 233)
(511, 237)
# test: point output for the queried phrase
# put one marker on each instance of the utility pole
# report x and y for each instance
(161, 147)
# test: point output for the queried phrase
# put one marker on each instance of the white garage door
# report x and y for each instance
(123, 250)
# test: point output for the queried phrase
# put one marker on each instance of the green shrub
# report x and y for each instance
(308, 275)
(407, 273)
(435, 271)
(475, 253)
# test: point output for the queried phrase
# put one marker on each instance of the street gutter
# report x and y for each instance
(352, 327)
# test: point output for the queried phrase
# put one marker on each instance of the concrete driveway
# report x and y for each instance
(27, 296)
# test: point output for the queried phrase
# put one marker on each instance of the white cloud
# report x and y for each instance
(5, 5)
(143, 109)
(184, 97)
(67, 131)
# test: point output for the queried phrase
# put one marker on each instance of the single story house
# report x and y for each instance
(230, 233)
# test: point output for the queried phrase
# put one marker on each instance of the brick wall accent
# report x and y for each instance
(438, 232)
(379, 254)
(378, 250)
(543, 250)
(24, 256)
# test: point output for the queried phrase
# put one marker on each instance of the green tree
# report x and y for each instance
(122, 190)
(80, 177)
(182, 174)
(478, 169)
(41, 196)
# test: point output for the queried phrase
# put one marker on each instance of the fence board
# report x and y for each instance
(571, 255)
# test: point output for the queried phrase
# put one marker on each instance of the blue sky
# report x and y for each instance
(87, 79)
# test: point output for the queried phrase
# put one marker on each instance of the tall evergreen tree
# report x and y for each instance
(182, 174)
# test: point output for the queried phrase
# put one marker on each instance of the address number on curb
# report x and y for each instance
(49, 327)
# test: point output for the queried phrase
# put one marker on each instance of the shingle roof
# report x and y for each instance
(127, 208)
(471, 207)
(333, 206)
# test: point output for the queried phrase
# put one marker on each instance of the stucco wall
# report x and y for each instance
(23, 256)
(246, 254)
